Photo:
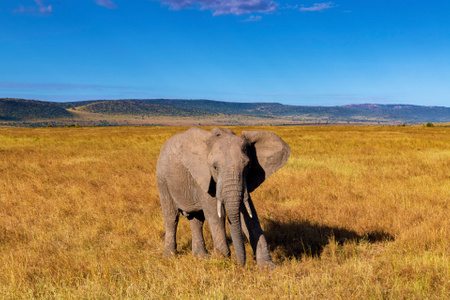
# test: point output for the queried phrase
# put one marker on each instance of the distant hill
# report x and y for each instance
(19, 110)
(230, 108)
(409, 113)
(153, 111)
(130, 107)
(346, 113)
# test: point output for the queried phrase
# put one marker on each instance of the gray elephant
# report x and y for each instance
(201, 172)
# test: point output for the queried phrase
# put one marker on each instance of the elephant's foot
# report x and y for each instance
(222, 252)
(201, 255)
(199, 250)
(266, 264)
(169, 253)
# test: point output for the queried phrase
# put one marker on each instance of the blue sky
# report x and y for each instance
(292, 52)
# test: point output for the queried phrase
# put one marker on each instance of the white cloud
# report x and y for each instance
(222, 7)
(253, 19)
(25, 86)
(40, 8)
(106, 3)
(318, 6)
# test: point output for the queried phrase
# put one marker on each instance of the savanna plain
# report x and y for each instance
(358, 212)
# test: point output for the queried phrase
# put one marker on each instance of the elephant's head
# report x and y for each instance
(229, 167)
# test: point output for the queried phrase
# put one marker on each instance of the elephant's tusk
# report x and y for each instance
(246, 197)
(247, 206)
(219, 208)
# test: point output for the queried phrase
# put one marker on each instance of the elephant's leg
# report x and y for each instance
(196, 221)
(171, 216)
(217, 226)
(171, 223)
(254, 233)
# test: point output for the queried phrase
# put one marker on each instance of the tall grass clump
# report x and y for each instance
(357, 212)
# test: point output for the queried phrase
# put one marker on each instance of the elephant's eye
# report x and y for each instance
(215, 167)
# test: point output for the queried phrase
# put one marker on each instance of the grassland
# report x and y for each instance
(357, 213)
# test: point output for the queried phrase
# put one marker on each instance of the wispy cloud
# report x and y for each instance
(25, 86)
(217, 7)
(318, 6)
(223, 7)
(253, 19)
(40, 8)
(106, 3)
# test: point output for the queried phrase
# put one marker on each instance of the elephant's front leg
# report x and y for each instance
(219, 237)
(254, 233)
(196, 221)
(217, 226)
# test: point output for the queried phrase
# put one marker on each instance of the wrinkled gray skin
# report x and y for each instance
(201, 172)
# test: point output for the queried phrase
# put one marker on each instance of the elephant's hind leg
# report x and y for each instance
(171, 216)
(196, 221)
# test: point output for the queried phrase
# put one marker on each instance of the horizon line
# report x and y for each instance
(246, 102)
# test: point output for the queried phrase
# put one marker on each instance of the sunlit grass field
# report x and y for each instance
(357, 213)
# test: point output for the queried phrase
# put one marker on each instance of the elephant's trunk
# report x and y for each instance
(231, 195)
(234, 220)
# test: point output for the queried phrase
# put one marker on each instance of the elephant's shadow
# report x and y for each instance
(295, 238)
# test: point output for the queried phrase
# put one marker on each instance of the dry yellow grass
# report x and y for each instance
(357, 212)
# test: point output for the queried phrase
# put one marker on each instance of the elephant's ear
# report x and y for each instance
(268, 153)
(193, 154)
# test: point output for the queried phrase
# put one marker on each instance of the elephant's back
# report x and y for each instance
(168, 155)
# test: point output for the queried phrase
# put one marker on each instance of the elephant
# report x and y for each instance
(201, 174)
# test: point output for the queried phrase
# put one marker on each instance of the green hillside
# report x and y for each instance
(19, 109)
(138, 108)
